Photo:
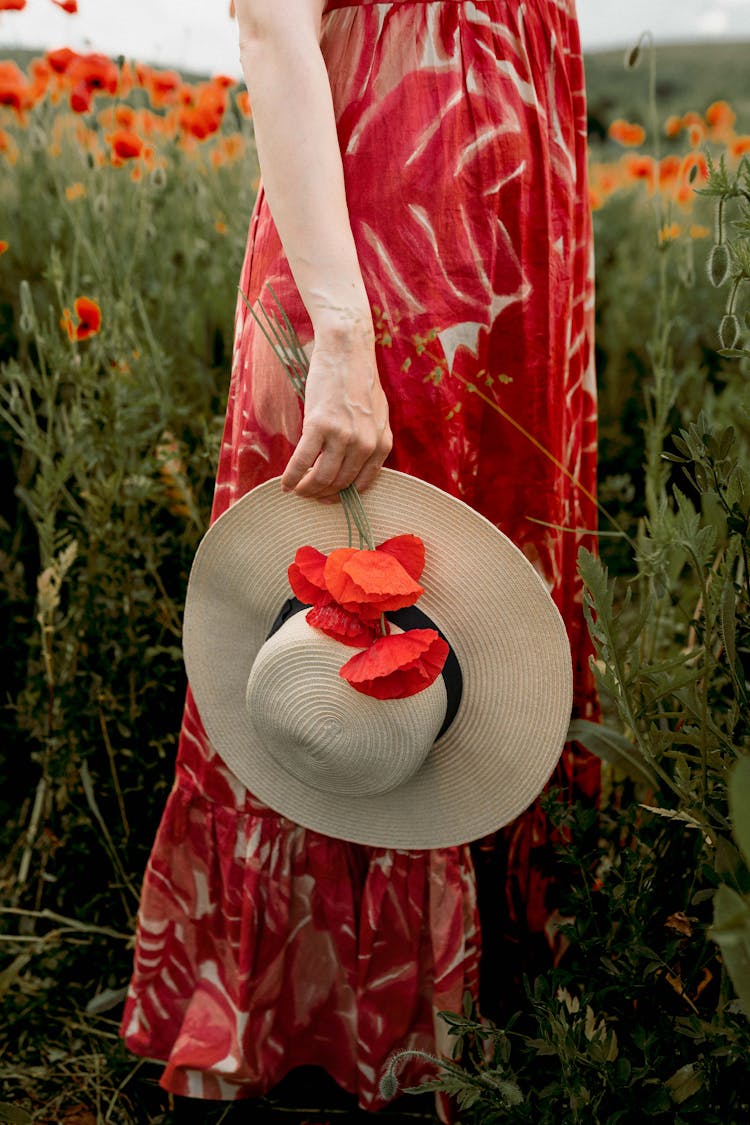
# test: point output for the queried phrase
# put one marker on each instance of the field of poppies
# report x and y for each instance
(125, 193)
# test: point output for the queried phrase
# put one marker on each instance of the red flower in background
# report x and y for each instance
(96, 71)
(70, 6)
(126, 145)
(397, 666)
(204, 108)
(163, 85)
(626, 133)
(14, 87)
(88, 319)
(80, 98)
(60, 59)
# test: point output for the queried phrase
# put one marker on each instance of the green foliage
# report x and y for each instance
(108, 459)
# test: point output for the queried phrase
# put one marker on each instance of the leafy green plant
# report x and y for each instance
(109, 452)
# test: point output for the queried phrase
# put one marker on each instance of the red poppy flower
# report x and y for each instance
(409, 550)
(306, 577)
(641, 168)
(126, 145)
(365, 583)
(97, 71)
(348, 628)
(397, 666)
(69, 6)
(163, 86)
(349, 591)
(627, 133)
(12, 5)
(61, 59)
(88, 319)
(125, 116)
(80, 98)
(199, 122)
(369, 582)
(14, 89)
(669, 170)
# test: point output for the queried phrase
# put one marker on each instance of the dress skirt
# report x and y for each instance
(261, 945)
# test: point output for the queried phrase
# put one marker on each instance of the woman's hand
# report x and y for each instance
(345, 433)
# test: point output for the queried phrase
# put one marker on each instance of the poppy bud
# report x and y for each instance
(718, 264)
(633, 56)
(729, 331)
(388, 1086)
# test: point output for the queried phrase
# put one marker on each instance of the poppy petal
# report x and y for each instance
(306, 576)
(379, 575)
(342, 626)
(337, 581)
(89, 317)
(409, 550)
(369, 582)
(397, 666)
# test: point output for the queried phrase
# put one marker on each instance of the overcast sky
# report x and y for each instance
(198, 35)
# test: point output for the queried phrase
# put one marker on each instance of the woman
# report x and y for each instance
(423, 220)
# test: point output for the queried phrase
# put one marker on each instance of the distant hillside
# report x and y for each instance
(689, 76)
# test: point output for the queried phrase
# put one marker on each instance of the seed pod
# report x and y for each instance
(633, 56)
(729, 331)
(718, 264)
(27, 318)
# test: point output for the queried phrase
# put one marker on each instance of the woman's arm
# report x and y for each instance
(345, 434)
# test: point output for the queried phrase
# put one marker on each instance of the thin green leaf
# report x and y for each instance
(731, 931)
(612, 747)
(739, 805)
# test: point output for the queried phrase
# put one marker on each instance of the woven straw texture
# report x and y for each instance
(479, 590)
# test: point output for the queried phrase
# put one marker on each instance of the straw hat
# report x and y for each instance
(372, 771)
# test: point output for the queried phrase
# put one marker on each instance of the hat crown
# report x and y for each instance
(325, 734)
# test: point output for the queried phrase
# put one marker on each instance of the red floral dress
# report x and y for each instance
(262, 945)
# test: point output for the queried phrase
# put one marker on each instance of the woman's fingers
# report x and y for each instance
(345, 433)
(369, 471)
(323, 464)
(299, 465)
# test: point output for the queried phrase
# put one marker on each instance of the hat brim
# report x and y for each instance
(480, 591)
